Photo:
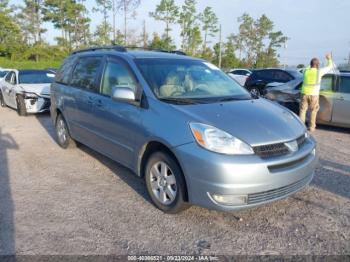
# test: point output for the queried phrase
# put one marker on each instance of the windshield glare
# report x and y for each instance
(44, 77)
(188, 79)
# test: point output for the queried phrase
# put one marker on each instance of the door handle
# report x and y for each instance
(98, 103)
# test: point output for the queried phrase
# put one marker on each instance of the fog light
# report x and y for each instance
(230, 200)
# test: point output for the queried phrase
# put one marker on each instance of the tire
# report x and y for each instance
(64, 139)
(21, 106)
(254, 91)
(2, 102)
(171, 183)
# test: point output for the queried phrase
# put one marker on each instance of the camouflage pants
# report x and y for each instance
(311, 102)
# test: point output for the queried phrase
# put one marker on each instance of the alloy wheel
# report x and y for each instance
(163, 183)
(62, 131)
(255, 92)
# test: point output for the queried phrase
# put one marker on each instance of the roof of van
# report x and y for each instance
(133, 53)
(155, 54)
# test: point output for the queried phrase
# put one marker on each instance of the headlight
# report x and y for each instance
(30, 95)
(218, 141)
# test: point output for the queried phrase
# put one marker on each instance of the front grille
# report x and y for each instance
(271, 150)
(277, 193)
(275, 150)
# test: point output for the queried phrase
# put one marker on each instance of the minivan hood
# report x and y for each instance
(39, 89)
(255, 122)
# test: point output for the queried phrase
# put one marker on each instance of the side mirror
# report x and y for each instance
(123, 94)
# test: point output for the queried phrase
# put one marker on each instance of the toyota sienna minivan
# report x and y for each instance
(194, 134)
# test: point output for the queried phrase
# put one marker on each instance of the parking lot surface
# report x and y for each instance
(76, 201)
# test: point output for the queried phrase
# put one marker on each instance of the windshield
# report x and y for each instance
(36, 77)
(3, 73)
(183, 79)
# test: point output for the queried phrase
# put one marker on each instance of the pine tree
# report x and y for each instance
(128, 9)
(209, 25)
(168, 12)
(105, 6)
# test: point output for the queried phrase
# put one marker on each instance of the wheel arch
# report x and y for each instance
(155, 146)
(57, 113)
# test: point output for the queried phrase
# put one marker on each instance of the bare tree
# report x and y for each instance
(128, 9)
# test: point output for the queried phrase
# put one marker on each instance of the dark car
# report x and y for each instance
(258, 80)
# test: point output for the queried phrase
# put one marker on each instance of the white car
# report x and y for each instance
(240, 75)
(27, 91)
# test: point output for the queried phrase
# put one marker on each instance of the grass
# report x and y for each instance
(26, 64)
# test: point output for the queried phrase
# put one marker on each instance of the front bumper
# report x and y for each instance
(259, 180)
(37, 104)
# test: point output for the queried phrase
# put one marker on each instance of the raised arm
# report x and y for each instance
(328, 67)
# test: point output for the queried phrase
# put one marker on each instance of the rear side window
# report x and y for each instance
(264, 74)
(281, 76)
(85, 72)
(63, 73)
(344, 86)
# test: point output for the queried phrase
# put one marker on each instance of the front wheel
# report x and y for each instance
(2, 101)
(165, 183)
(21, 106)
(63, 137)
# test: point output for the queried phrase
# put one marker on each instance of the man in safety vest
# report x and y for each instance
(310, 90)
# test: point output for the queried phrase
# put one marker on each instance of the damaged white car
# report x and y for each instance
(27, 91)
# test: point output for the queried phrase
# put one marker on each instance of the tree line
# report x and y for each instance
(22, 29)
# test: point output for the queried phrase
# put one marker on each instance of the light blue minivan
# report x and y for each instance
(194, 134)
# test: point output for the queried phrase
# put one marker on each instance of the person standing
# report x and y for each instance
(310, 90)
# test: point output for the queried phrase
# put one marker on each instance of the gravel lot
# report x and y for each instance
(76, 201)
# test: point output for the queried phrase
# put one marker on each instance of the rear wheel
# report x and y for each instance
(21, 106)
(63, 137)
(165, 183)
(2, 102)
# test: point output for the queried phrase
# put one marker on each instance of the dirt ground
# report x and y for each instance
(76, 201)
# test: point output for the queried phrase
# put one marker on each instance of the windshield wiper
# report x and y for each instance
(231, 98)
(179, 101)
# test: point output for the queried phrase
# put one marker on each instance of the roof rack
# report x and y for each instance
(177, 52)
(91, 49)
(124, 49)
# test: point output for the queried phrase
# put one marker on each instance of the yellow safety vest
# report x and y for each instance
(312, 82)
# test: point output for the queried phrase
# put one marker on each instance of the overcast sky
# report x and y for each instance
(315, 27)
